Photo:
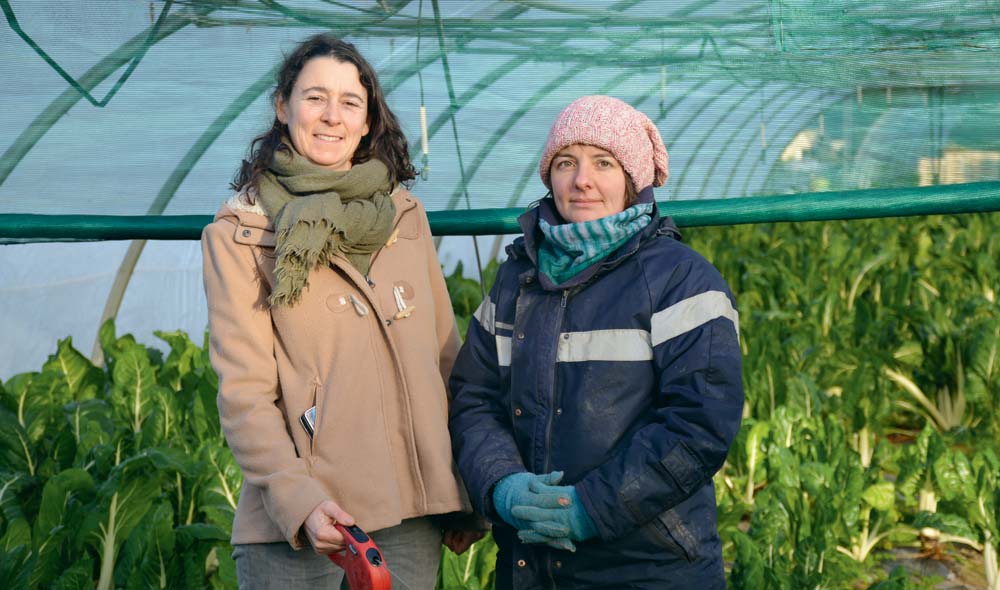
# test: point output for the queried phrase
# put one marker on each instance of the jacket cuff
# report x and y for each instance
(486, 496)
(607, 531)
(298, 500)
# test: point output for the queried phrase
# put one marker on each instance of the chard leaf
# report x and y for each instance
(145, 559)
(79, 576)
(189, 534)
(910, 354)
(163, 461)
(783, 468)
(197, 547)
(82, 379)
(983, 353)
(89, 424)
(986, 512)
(848, 501)
(816, 477)
(947, 479)
(465, 293)
(226, 574)
(18, 533)
(36, 397)
(966, 475)
(221, 490)
(122, 507)
(771, 521)
(60, 510)
(57, 499)
(880, 496)
(915, 465)
(180, 363)
(748, 571)
(134, 386)
(16, 566)
(947, 523)
(49, 559)
(754, 444)
(109, 343)
(205, 412)
(11, 484)
(17, 452)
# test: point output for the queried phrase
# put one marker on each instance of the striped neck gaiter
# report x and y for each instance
(570, 248)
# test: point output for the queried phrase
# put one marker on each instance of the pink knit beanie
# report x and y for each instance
(613, 125)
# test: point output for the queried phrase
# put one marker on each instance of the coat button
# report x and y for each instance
(246, 233)
(520, 335)
(558, 564)
(517, 411)
(558, 411)
(521, 563)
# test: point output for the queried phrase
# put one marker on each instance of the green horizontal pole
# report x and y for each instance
(974, 197)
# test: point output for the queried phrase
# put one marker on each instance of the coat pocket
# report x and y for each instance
(669, 532)
(318, 422)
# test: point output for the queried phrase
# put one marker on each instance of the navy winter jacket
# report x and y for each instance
(628, 379)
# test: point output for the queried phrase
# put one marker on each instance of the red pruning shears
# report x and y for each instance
(362, 560)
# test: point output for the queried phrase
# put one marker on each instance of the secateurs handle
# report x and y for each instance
(362, 560)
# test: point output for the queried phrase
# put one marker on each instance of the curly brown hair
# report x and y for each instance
(385, 140)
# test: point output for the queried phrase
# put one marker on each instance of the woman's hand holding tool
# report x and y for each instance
(321, 530)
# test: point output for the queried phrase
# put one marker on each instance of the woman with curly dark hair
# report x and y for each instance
(333, 335)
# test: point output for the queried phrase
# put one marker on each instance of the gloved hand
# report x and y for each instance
(513, 491)
(555, 526)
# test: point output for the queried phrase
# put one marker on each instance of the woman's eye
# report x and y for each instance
(314, 98)
(604, 163)
(563, 164)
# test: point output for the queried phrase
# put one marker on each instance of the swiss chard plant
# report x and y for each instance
(116, 477)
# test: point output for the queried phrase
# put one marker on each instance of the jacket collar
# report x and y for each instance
(528, 244)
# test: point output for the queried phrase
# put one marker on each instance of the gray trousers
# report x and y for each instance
(412, 552)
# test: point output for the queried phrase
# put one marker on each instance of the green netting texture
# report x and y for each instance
(146, 108)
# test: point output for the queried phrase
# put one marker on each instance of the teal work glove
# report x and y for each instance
(557, 526)
(513, 491)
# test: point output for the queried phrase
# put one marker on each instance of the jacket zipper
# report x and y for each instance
(552, 391)
(551, 419)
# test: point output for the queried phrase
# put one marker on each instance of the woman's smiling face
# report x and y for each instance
(587, 182)
(326, 112)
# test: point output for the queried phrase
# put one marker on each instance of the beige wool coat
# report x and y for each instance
(372, 355)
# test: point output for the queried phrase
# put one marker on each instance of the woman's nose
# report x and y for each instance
(331, 114)
(582, 178)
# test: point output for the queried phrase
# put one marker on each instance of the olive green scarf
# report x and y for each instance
(320, 213)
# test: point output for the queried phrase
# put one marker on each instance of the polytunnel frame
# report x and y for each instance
(972, 197)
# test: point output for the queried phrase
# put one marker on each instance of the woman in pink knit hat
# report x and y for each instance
(599, 386)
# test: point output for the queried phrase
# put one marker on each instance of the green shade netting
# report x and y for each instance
(147, 108)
